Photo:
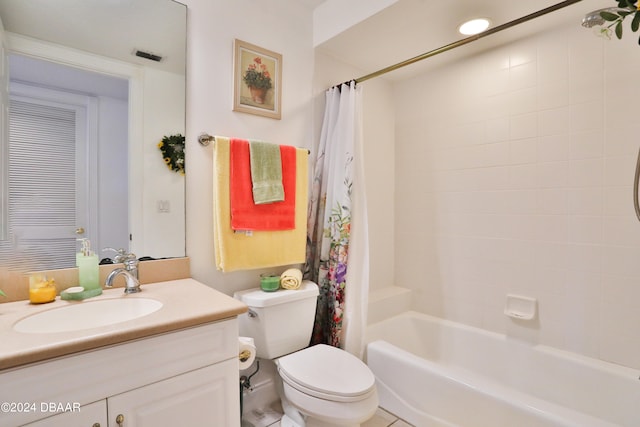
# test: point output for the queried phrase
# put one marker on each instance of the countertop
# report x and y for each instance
(186, 303)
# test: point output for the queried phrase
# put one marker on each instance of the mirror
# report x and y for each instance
(121, 64)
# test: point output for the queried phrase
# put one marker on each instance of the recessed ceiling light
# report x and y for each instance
(474, 26)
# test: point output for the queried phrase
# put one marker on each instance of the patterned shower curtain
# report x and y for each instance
(335, 261)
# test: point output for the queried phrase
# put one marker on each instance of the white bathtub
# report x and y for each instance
(433, 373)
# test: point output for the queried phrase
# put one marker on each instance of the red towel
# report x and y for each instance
(245, 215)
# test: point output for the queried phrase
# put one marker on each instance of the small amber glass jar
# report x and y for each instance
(41, 289)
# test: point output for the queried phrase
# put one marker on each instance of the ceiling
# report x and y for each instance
(112, 28)
(410, 28)
(404, 30)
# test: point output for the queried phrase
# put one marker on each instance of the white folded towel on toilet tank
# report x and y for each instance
(291, 279)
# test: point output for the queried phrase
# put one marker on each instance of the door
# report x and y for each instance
(49, 199)
(4, 137)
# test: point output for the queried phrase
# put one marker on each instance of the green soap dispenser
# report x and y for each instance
(80, 254)
(88, 271)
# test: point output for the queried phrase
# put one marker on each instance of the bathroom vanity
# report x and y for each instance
(175, 366)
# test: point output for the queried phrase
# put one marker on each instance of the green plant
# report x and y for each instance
(616, 18)
(257, 75)
(2, 293)
(172, 148)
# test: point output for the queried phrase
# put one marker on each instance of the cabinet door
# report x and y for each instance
(205, 397)
(92, 415)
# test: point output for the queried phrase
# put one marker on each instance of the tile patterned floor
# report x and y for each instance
(382, 418)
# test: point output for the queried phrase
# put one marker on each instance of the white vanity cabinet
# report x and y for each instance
(198, 398)
(92, 415)
(188, 378)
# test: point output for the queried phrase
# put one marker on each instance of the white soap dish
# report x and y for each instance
(520, 307)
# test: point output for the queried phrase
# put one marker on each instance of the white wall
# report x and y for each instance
(514, 173)
(209, 102)
(282, 26)
(113, 183)
(164, 112)
(380, 169)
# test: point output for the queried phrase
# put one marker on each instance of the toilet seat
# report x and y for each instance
(327, 373)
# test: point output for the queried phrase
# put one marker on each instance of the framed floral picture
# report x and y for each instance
(257, 80)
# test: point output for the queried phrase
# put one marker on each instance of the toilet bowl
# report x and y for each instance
(326, 384)
(319, 385)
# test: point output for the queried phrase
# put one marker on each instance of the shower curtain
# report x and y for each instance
(337, 239)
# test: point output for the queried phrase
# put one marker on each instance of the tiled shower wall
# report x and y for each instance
(514, 174)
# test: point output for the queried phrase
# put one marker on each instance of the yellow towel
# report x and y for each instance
(291, 279)
(259, 249)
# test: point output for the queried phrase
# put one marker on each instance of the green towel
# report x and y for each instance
(266, 172)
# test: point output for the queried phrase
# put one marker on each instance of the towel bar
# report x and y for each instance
(205, 139)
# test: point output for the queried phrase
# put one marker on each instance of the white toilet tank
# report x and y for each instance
(280, 322)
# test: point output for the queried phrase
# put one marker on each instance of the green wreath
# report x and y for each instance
(172, 148)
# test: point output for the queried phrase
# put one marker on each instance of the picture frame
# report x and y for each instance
(257, 80)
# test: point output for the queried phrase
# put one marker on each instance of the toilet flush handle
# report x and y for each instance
(252, 313)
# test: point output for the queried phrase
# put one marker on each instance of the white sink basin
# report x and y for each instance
(87, 315)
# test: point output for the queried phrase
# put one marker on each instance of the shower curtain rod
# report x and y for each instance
(465, 41)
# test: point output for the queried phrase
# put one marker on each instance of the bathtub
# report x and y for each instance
(436, 373)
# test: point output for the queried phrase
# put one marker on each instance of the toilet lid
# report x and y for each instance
(327, 372)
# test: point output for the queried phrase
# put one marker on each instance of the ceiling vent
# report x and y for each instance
(147, 55)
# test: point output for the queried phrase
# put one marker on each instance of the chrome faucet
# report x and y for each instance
(129, 271)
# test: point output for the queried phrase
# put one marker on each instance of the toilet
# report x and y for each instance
(319, 385)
